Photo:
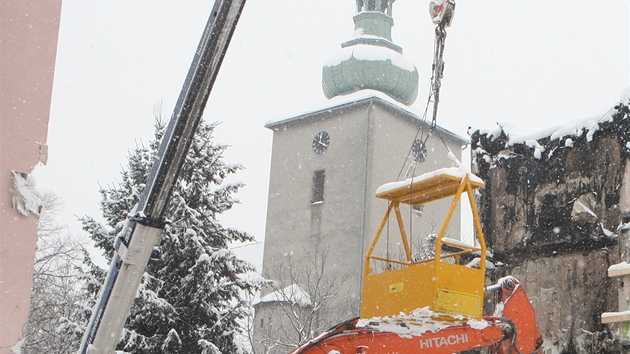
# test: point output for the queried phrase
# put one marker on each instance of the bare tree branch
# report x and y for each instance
(304, 302)
(55, 287)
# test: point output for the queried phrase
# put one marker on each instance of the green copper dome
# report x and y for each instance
(370, 60)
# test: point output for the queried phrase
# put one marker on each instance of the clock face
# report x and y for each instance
(321, 142)
(419, 150)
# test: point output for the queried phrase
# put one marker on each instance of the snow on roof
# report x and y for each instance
(418, 322)
(370, 53)
(587, 123)
(450, 171)
(350, 99)
(292, 294)
(343, 100)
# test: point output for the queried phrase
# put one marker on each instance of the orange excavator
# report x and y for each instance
(433, 305)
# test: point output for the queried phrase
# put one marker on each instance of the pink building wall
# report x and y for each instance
(28, 44)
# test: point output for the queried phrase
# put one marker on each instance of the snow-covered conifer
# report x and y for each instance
(190, 297)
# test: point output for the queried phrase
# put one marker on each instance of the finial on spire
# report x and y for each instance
(384, 6)
(370, 59)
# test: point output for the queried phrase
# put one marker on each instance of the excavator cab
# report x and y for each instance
(442, 283)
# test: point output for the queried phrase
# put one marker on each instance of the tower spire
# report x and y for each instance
(370, 59)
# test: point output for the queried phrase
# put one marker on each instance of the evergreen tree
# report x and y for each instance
(189, 299)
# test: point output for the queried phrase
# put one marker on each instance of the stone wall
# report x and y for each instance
(552, 212)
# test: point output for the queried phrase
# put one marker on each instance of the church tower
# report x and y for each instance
(325, 168)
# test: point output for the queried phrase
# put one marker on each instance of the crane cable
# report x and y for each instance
(438, 70)
(438, 73)
(441, 12)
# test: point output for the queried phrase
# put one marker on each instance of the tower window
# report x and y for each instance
(318, 186)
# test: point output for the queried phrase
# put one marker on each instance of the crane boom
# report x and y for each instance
(144, 228)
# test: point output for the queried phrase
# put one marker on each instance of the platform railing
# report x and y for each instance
(444, 287)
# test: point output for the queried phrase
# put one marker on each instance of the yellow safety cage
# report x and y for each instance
(442, 283)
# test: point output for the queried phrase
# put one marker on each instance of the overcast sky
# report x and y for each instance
(529, 64)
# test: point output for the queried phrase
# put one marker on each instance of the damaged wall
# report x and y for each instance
(28, 47)
(551, 211)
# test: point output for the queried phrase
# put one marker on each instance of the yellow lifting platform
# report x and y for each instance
(441, 283)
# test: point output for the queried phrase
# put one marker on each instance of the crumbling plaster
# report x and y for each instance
(553, 213)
